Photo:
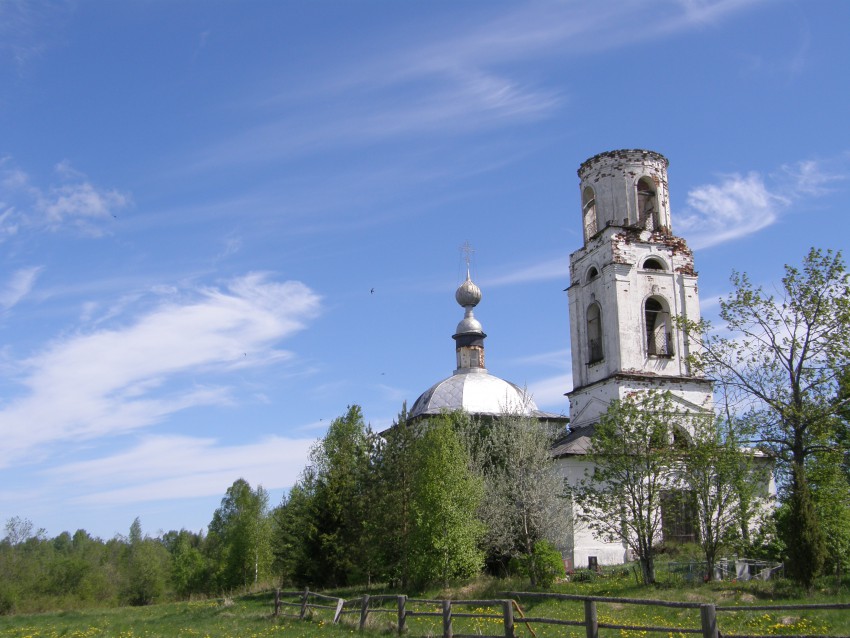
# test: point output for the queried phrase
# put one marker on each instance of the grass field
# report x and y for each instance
(250, 616)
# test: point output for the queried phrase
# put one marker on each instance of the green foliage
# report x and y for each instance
(293, 526)
(189, 568)
(831, 499)
(446, 494)
(341, 464)
(786, 359)
(524, 493)
(806, 545)
(727, 483)
(543, 566)
(395, 473)
(620, 500)
(147, 569)
(239, 541)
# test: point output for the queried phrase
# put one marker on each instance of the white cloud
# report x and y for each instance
(19, 286)
(557, 268)
(177, 467)
(463, 82)
(740, 205)
(75, 202)
(106, 382)
(79, 204)
(735, 207)
(549, 393)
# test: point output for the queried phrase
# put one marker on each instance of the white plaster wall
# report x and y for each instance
(584, 544)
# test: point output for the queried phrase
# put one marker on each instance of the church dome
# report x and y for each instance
(474, 391)
(468, 294)
(471, 388)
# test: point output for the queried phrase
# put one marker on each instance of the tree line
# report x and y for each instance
(439, 500)
(424, 503)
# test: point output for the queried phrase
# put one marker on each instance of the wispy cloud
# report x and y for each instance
(737, 206)
(71, 202)
(549, 393)
(740, 205)
(108, 381)
(19, 286)
(27, 27)
(558, 268)
(470, 79)
(177, 467)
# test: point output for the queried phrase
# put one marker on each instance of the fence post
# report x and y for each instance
(591, 624)
(447, 619)
(364, 610)
(277, 602)
(304, 603)
(508, 613)
(339, 604)
(708, 616)
(402, 613)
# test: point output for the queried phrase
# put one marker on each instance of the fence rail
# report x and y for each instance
(364, 605)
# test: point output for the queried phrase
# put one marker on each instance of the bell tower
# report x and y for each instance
(628, 281)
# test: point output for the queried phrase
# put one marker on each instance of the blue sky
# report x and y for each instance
(197, 198)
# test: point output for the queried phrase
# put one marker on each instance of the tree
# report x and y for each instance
(524, 494)
(633, 464)
(784, 359)
(340, 463)
(146, 567)
(293, 529)
(395, 472)
(831, 499)
(725, 481)
(239, 536)
(445, 497)
(189, 569)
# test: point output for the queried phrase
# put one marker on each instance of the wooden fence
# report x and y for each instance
(365, 605)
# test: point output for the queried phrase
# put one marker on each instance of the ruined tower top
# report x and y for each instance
(626, 188)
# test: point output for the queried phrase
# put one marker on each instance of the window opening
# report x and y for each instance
(679, 517)
(594, 334)
(658, 337)
(647, 204)
(653, 264)
(592, 273)
(588, 207)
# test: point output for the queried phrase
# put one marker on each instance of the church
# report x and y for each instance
(628, 280)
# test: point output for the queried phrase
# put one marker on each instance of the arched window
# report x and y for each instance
(654, 264)
(658, 336)
(647, 203)
(594, 333)
(588, 209)
(592, 273)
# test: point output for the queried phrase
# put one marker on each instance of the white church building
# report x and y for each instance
(629, 279)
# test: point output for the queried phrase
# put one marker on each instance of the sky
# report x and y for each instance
(221, 223)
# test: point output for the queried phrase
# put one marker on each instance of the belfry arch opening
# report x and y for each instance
(654, 264)
(594, 333)
(658, 336)
(592, 273)
(647, 204)
(588, 208)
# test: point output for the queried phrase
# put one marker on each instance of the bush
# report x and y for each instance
(544, 566)
(8, 599)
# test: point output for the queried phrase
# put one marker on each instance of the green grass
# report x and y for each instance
(250, 616)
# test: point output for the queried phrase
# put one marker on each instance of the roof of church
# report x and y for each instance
(576, 442)
(476, 391)
(473, 389)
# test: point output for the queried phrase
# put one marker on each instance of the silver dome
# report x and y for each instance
(476, 391)
(469, 324)
(468, 294)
